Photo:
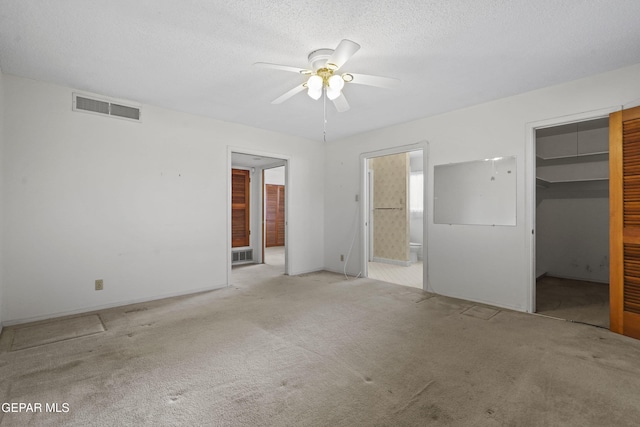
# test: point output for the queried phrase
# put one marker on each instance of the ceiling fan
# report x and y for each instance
(323, 76)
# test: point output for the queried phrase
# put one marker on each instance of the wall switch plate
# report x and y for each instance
(341, 257)
(99, 284)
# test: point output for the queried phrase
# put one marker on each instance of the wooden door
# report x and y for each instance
(240, 208)
(624, 195)
(274, 228)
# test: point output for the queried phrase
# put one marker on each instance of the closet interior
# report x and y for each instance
(572, 221)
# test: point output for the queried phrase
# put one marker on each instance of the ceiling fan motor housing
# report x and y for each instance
(318, 58)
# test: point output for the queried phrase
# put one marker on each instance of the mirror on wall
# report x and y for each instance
(481, 192)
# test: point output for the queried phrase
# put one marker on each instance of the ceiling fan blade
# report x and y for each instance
(341, 103)
(343, 52)
(289, 94)
(283, 67)
(378, 81)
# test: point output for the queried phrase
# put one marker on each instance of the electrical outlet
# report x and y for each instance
(99, 284)
(341, 257)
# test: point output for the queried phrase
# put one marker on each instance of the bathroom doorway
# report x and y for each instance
(395, 217)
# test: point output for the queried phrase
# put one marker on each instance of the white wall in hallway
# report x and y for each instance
(573, 238)
(274, 176)
(142, 206)
(2, 202)
(416, 226)
(480, 263)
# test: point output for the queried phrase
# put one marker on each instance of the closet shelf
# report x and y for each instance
(573, 160)
(578, 155)
(542, 183)
(545, 183)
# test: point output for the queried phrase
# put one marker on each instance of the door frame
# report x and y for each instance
(364, 204)
(369, 217)
(286, 162)
(530, 188)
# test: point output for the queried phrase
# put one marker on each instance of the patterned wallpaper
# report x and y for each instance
(391, 207)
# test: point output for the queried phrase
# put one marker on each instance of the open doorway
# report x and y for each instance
(572, 221)
(394, 241)
(250, 254)
(274, 222)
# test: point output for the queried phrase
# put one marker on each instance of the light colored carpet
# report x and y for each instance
(317, 350)
(53, 331)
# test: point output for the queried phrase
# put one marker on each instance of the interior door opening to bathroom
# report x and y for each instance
(394, 189)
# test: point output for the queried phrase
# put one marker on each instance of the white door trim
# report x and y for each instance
(287, 196)
(364, 204)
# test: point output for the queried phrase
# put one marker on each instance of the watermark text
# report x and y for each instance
(34, 407)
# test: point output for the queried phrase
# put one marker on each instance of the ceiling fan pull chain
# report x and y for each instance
(324, 109)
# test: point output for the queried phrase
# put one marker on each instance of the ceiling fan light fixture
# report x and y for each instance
(332, 93)
(315, 82)
(314, 93)
(336, 82)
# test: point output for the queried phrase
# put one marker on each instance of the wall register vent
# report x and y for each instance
(242, 256)
(104, 107)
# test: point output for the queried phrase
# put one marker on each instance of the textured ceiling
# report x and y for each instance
(196, 56)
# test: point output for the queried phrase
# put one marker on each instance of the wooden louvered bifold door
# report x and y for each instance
(240, 208)
(624, 193)
(275, 228)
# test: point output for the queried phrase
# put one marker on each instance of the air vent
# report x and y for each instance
(126, 112)
(99, 106)
(242, 256)
(92, 105)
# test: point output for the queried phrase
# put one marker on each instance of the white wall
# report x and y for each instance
(2, 202)
(479, 263)
(141, 205)
(573, 238)
(416, 224)
(256, 213)
(274, 176)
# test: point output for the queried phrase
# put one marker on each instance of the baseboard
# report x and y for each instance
(350, 274)
(481, 301)
(107, 306)
(297, 273)
(392, 261)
